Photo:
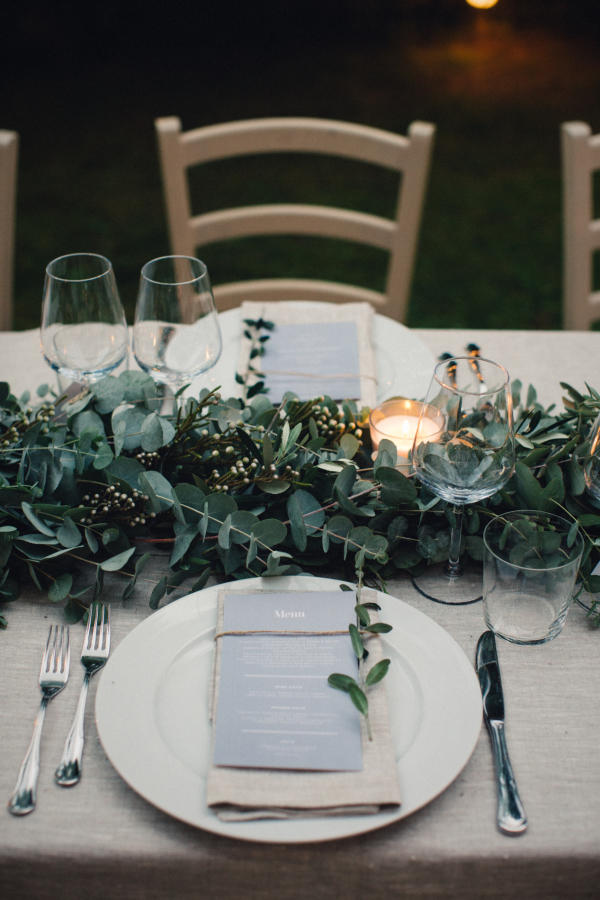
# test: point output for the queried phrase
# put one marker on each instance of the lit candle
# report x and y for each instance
(398, 421)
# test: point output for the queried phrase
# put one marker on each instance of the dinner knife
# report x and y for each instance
(511, 816)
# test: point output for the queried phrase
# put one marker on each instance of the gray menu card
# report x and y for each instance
(310, 359)
(275, 709)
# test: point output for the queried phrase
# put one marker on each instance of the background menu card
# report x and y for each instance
(310, 359)
(275, 709)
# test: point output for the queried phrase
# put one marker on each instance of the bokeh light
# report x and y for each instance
(482, 4)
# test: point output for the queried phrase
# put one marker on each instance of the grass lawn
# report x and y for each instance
(490, 248)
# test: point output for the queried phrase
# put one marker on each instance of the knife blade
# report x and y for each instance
(511, 816)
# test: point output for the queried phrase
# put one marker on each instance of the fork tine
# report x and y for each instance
(65, 650)
(96, 619)
(88, 628)
(50, 649)
(105, 645)
(61, 652)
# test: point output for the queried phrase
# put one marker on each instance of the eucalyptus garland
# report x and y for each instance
(90, 484)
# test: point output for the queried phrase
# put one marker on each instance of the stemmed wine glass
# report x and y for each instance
(591, 473)
(470, 455)
(176, 335)
(83, 331)
(591, 466)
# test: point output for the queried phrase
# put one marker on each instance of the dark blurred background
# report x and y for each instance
(83, 86)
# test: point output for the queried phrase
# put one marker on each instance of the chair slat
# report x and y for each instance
(581, 231)
(293, 218)
(9, 144)
(228, 296)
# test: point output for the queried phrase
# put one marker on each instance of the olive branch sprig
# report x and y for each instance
(360, 633)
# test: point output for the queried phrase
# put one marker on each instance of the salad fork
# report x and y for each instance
(54, 673)
(94, 653)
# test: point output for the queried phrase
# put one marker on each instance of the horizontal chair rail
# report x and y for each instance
(294, 218)
(299, 136)
(228, 296)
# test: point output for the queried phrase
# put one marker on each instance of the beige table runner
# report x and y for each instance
(294, 313)
(238, 793)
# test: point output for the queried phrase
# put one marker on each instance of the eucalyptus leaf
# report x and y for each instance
(127, 423)
(37, 523)
(68, 534)
(108, 393)
(396, 489)
(218, 507)
(185, 534)
(140, 564)
(103, 457)
(270, 532)
(8, 533)
(275, 487)
(349, 445)
(158, 488)
(60, 587)
(88, 422)
(223, 536)
(157, 432)
(158, 592)
(118, 561)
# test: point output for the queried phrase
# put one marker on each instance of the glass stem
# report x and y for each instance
(454, 568)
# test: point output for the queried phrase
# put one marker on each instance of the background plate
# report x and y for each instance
(404, 364)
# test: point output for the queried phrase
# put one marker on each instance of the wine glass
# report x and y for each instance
(176, 335)
(591, 473)
(468, 457)
(83, 331)
(591, 466)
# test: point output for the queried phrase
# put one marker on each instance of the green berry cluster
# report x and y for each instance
(331, 424)
(150, 459)
(24, 419)
(113, 502)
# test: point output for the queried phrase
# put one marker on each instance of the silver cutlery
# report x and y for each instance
(450, 367)
(475, 352)
(54, 673)
(94, 653)
(511, 816)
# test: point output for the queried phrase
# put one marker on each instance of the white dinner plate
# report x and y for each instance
(404, 363)
(152, 712)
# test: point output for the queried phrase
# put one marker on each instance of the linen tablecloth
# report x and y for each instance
(100, 838)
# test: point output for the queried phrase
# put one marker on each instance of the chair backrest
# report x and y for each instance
(9, 143)
(581, 231)
(409, 156)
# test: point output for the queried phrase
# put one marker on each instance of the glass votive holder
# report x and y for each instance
(398, 420)
(530, 566)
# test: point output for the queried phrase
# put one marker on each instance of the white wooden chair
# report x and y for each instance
(409, 156)
(581, 231)
(9, 142)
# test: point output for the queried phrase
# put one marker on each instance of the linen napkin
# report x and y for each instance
(309, 378)
(238, 794)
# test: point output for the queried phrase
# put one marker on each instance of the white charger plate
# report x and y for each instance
(152, 712)
(404, 363)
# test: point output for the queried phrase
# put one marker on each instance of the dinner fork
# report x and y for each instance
(54, 673)
(94, 653)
